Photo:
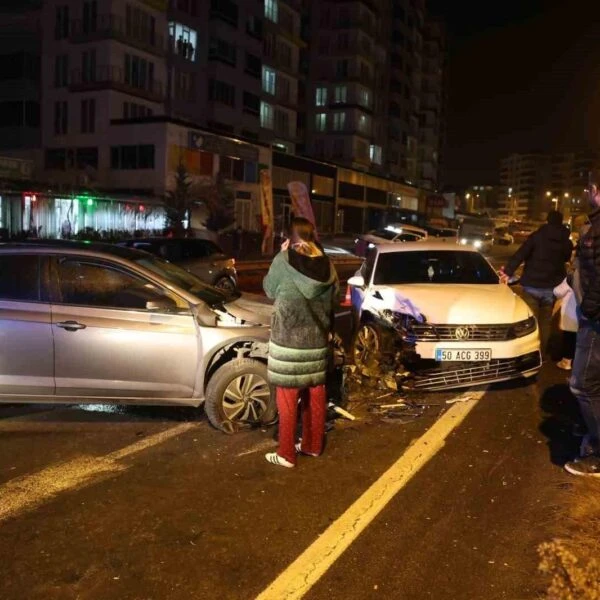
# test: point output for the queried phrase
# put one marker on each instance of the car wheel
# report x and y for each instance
(225, 283)
(238, 395)
(366, 346)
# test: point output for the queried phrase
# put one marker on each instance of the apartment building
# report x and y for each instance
(432, 117)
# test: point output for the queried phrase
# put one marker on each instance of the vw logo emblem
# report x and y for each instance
(462, 333)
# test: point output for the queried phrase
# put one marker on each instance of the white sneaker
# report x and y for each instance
(275, 459)
(566, 364)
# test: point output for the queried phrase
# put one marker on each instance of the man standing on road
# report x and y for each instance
(544, 253)
(585, 378)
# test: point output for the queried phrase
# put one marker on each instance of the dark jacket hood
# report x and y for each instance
(312, 275)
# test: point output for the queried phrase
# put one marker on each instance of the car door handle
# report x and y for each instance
(70, 325)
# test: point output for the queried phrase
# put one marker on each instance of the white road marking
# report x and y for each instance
(29, 491)
(264, 445)
(295, 581)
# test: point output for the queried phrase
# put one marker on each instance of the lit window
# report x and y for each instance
(272, 10)
(363, 124)
(341, 93)
(321, 121)
(183, 40)
(339, 121)
(266, 115)
(375, 154)
(364, 98)
(268, 80)
(321, 96)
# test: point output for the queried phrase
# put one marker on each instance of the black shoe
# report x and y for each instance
(586, 467)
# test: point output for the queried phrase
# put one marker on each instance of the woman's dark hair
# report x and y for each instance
(555, 218)
(302, 229)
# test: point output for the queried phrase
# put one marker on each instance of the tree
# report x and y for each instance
(179, 201)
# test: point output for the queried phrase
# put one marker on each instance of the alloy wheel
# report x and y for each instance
(366, 346)
(246, 398)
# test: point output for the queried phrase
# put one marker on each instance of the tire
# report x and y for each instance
(225, 283)
(247, 379)
(366, 345)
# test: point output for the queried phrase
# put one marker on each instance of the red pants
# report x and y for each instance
(314, 410)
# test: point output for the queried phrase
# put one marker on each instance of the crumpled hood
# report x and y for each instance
(252, 308)
(459, 304)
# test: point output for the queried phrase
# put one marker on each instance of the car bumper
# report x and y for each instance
(470, 374)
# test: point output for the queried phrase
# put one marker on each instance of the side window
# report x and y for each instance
(199, 249)
(409, 237)
(86, 283)
(19, 277)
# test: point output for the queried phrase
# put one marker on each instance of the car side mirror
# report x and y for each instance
(357, 281)
(159, 305)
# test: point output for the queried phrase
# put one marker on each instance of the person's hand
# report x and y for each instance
(285, 245)
(504, 278)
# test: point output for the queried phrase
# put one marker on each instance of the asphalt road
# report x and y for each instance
(153, 504)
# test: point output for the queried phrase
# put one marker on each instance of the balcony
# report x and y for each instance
(113, 77)
(115, 27)
(363, 25)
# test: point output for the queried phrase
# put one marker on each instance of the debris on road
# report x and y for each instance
(340, 411)
(459, 399)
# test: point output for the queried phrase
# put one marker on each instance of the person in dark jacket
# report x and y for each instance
(303, 283)
(585, 377)
(545, 254)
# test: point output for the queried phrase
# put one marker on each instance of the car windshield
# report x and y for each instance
(185, 280)
(434, 266)
(386, 234)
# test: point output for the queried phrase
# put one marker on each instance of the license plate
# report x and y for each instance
(463, 355)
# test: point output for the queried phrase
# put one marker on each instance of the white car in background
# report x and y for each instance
(443, 310)
(391, 234)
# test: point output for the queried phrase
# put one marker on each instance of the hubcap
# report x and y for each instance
(246, 399)
(366, 346)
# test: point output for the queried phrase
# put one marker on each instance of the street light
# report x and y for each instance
(548, 194)
(566, 194)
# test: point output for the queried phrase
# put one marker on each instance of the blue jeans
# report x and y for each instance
(585, 377)
(541, 301)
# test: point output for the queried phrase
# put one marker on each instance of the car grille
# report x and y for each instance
(461, 333)
(465, 374)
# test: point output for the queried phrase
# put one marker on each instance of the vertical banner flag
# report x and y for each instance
(266, 211)
(301, 206)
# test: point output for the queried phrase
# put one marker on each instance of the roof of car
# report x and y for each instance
(423, 246)
(68, 245)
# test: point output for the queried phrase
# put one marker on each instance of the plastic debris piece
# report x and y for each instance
(340, 411)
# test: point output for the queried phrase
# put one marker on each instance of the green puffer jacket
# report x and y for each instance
(304, 290)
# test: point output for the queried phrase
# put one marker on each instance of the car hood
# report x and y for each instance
(249, 309)
(463, 303)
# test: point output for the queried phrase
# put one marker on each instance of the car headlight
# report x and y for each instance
(464, 242)
(371, 245)
(477, 244)
(523, 328)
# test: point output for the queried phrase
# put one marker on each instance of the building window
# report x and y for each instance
(283, 89)
(364, 97)
(321, 121)
(61, 26)
(272, 10)
(131, 110)
(86, 157)
(221, 50)
(341, 68)
(139, 72)
(284, 54)
(319, 147)
(251, 103)
(269, 80)
(364, 123)
(226, 10)
(183, 40)
(341, 94)
(88, 115)
(132, 157)
(219, 91)
(339, 121)
(90, 16)
(88, 66)
(253, 65)
(375, 154)
(343, 41)
(266, 115)
(254, 27)
(282, 123)
(61, 117)
(321, 96)
(61, 70)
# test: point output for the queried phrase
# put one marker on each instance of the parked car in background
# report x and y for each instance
(444, 312)
(441, 234)
(521, 230)
(97, 323)
(476, 231)
(502, 237)
(203, 258)
(391, 234)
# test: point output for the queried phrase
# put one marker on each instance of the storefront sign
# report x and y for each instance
(435, 201)
(222, 146)
(15, 168)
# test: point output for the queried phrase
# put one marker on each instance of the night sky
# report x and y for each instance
(523, 76)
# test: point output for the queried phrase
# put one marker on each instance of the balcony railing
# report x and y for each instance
(111, 26)
(114, 77)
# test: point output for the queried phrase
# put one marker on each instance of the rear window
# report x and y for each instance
(19, 277)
